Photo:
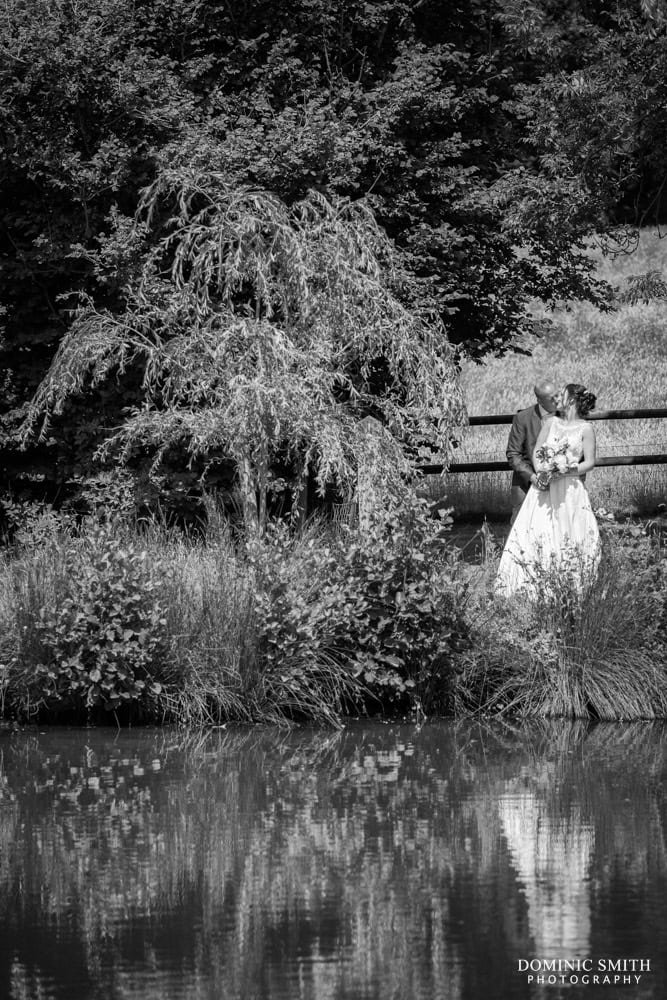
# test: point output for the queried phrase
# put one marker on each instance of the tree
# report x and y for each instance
(258, 327)
(596, 115)
(84, 103)
(463, 127)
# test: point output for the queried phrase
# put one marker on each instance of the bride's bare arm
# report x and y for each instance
(588, 461)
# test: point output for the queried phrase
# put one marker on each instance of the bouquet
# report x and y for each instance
(553, 461)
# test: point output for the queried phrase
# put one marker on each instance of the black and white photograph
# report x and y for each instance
(333, 499)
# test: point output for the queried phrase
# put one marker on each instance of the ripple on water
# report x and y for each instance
(380, 861)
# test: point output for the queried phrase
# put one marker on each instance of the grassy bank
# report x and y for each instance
(621, 356)
(113, 623)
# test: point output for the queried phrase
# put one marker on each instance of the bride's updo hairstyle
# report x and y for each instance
(583, 399)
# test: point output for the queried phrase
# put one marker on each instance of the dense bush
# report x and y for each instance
(301, 613)
(89, 629)
(386, 605)
(409, 616)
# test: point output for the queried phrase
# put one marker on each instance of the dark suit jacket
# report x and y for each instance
(526, 427)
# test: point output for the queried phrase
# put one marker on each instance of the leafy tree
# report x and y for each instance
(490, 139)
(258, 328)
(596, 114)
(83, 106)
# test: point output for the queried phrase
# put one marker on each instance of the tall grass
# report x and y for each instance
(27, 586)
(621, 356)
(599, 653)
(210, 623)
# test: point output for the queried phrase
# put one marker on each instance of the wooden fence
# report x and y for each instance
(506, 418)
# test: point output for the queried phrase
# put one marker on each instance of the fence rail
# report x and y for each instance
(507, 418)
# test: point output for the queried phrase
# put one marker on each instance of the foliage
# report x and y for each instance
(321, 625)
(386, 604)
(83, 104)
(97, 639)
(644, 288)
(409, 616)
(439, 115)
(301, 618)
(596, 114)
(309, 626)
(30, 525)
(263, 340)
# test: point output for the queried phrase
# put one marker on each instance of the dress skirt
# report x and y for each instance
(555, 531)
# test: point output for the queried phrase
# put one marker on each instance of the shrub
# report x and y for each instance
(322, 624)
(302, 617)
(30, 524)
(92, 634)
(373, 618)
(408, 620)
(292, 627)
(644, 288)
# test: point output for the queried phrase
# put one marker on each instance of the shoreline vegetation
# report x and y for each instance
(113, 622)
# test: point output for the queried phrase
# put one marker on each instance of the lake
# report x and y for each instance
(456, 859)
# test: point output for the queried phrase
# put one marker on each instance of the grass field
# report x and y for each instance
(621, 356)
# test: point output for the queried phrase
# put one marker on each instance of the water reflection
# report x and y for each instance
(383, 861)
(552, 857)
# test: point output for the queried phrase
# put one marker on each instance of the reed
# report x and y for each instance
(600, 652)
(29, 583)
(210, 625)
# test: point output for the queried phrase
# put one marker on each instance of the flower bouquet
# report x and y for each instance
(552, 461)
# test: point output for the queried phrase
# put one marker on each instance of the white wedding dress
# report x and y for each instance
(555, 529)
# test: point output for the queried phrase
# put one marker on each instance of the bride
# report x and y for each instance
(555, 527)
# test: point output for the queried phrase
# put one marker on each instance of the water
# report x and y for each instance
(388, 862)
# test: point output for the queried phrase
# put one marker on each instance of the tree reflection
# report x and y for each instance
(374, 862)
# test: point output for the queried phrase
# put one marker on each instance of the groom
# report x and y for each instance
(526, 427)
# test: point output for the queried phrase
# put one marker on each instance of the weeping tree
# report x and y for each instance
(259, 332)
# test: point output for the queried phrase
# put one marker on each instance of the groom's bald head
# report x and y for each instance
(547, 394)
